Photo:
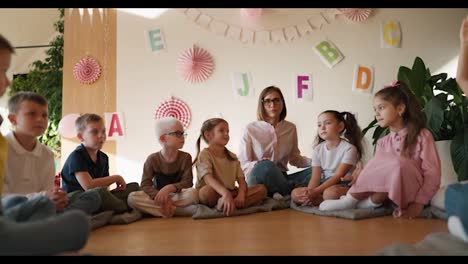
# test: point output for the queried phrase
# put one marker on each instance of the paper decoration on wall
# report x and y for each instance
(66, 126)
(195, 64)
(155, 40)
(363, 80)
(390, 34)
(90, 11)
(174, 108)
(356, 14)
(242, 85)
(251, 13)
(328, 53)
(87, 70)
(247, 35)
(302, 87)
(115, 125)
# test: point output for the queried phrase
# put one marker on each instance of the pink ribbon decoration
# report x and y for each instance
(195, 64)
(87, 70)
(251, 12)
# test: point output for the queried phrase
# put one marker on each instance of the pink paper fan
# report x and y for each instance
(195, 64)
(174, 108)
(356, 14)
(87, 70)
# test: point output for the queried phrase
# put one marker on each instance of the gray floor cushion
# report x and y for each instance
(348, 214)
(125, 218)
(434, 244)
(101, 219)
(355, 214)
(269, 204)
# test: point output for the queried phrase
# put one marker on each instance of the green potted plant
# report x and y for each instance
(45, 78)
(446, 111)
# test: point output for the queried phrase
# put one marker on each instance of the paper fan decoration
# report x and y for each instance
(195, 64)
(356, 14)
(87, 70)
(174, 108)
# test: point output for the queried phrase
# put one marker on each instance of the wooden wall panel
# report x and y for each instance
(98, 40)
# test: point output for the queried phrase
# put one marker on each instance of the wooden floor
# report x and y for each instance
(284, 232)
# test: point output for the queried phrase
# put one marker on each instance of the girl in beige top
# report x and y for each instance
(218, 170)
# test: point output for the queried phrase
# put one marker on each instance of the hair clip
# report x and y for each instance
(393, 84)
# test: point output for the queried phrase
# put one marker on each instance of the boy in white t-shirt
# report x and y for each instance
(30, 170)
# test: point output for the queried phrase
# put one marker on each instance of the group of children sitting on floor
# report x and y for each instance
(405, 170)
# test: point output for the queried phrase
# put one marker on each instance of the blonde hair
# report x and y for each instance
(19, 97)
(82, 121)
(162, 125)
(207, 126)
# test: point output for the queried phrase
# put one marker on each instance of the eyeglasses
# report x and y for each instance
(178, 134)
(269, 101)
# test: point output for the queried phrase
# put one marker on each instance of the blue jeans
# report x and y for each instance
(456, 202)
(40, 231)
(18, 208)
(267, 173)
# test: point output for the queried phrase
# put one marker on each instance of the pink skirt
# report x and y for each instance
(398, 176)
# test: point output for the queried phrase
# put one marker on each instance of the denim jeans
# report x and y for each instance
(18, 208)
(456, 202)
(39, 231)
(267, 173)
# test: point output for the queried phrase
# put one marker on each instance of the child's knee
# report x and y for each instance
(133, 197)
(208, 196)
(262, 190)
(333, 193)
(296, 193)
(193, 196)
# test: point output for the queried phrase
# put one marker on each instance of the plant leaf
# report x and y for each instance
(434, 116)
(459, 152)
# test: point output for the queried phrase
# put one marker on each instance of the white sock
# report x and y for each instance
(455, 228)
(277, 196)
(367, 203)
(345, 202)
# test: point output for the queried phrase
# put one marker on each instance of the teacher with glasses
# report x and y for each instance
(267, 145)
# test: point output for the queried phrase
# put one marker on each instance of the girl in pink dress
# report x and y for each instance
(406, 166)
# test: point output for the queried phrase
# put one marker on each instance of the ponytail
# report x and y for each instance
(353, 132)
(198, 150)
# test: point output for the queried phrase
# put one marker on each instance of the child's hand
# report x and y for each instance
(240, 200)
(353, 177)
(414, 210)
(314, 197)
(168, 208)
(121, 185)
(464, 31)
(162, 196)
(59, 198)
(228, 204)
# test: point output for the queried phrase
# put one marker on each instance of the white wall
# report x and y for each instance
(144, 80)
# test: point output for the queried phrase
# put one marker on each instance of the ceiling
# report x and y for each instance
(27, 27)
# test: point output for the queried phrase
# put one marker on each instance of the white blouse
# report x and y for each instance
(261, 140)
